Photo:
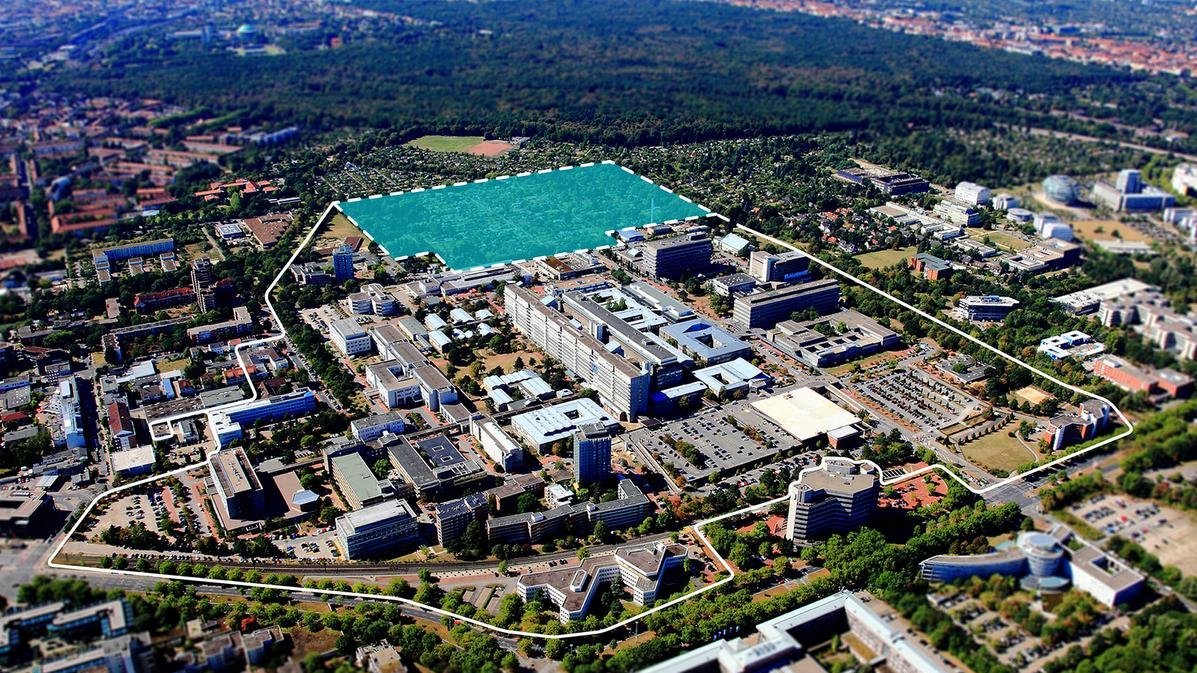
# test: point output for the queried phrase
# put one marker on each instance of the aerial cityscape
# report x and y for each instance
(538, 336)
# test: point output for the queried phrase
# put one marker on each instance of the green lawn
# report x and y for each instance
(446, 143)
(999, 238)
(880, 259)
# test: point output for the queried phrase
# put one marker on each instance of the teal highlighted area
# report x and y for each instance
(519, 217)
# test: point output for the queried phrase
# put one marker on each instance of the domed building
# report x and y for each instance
(1062, 189)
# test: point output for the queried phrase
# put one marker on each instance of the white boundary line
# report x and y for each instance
(696, 527)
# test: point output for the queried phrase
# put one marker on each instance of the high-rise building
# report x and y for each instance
(788, 266)
(837, 497)
(622, 386)
(766, 309)
(592, 454)
(342, 261)
(201, 283)
(675, 256)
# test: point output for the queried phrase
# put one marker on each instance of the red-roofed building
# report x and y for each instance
(120, 426)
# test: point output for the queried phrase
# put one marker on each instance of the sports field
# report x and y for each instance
(518, 217)
(463, 144)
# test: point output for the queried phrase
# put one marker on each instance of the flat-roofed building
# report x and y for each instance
(706, 342)
(393, 385)
(833, 339)
(452, 517)
(931, 267)
(22, 510)
(433, 465)
(132, 462)
(356, 481)
(766, 309)
(497, 444)
(372, 427)
(837, 497)
(592, 453)
(675, 256)
(237, 485)
(378, 530)
(786, 267)
(984, 308)
(350, 337)
(641, 569)
(546, 425)
(620, 384)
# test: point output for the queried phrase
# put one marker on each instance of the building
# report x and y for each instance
(675, 256)
(641, 569)
(516, 390)
(239, 492)
(202, 277)
(972, 194)
(960, 214)
(706, 342)
(833, 339)
(784, 643)
(735, 244)
(377, 531)
(1090, 300)
(735, 283)
(21, 512)
(240, 325)
(356, 481)
(1156, 384)
(592, 454)
(889, 182)
(1089, 420)
(805, 414)
(1049, 255)
(628, 509)
(930, 267)
(226, 426)
(132, 462)
(540, 428)
(120, 426)
(149, 302)
(69, 408)
(1070, 344)
(433, 465)
(1049, 225)
(453, 517)
(984, 308)
(497, 444)
(1062, 189)
(1043, 563)
(787, 267)
(342, 262)
(349, 337)
(1184, 179)
(372, 427)
(836, 497)
(1130, 194)
(620, 384)
(766, 309)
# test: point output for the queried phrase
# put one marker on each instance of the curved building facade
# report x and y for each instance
(1062, 189)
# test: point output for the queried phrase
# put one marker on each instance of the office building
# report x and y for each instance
(957, 213)
(675, 256)
(69, 408)
(592, 454)
(787, 267)
(1044, 563)
(641, 569)
(629, 509)
(349, 337)
(766, 309)
(202, 278)
(833, 339)
(239, 492)
(1184, 179)
(706, 342)
(930, 267)
(1071, 344)
(984, 308)
(784, 644)
(540, 428)
(227, 426)
(620, 384)
(451, 518)
(837, 497)
(1089, 420)
(889, 182)
(1161, 384)
(433, 465)
(342, 262)
(1130, 194)
(735, 283)
(394, 386)
(497, 444)
(377, 531)
(120, 426)
(240, 325)
(372, 427)
(356, 481)
(972, 194)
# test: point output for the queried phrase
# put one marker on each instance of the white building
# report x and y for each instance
(1184, 179)
(350, 338)
(496, 444)
(973, 194)
(1051, 226)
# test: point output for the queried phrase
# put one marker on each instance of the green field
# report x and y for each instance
(879, 259)
(998, 238)
(446, 143)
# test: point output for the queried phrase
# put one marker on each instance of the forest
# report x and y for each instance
(621, 72)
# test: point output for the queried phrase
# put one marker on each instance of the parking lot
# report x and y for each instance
(133, 508)
(723, 445)
(1169, 534)
(914, 397)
